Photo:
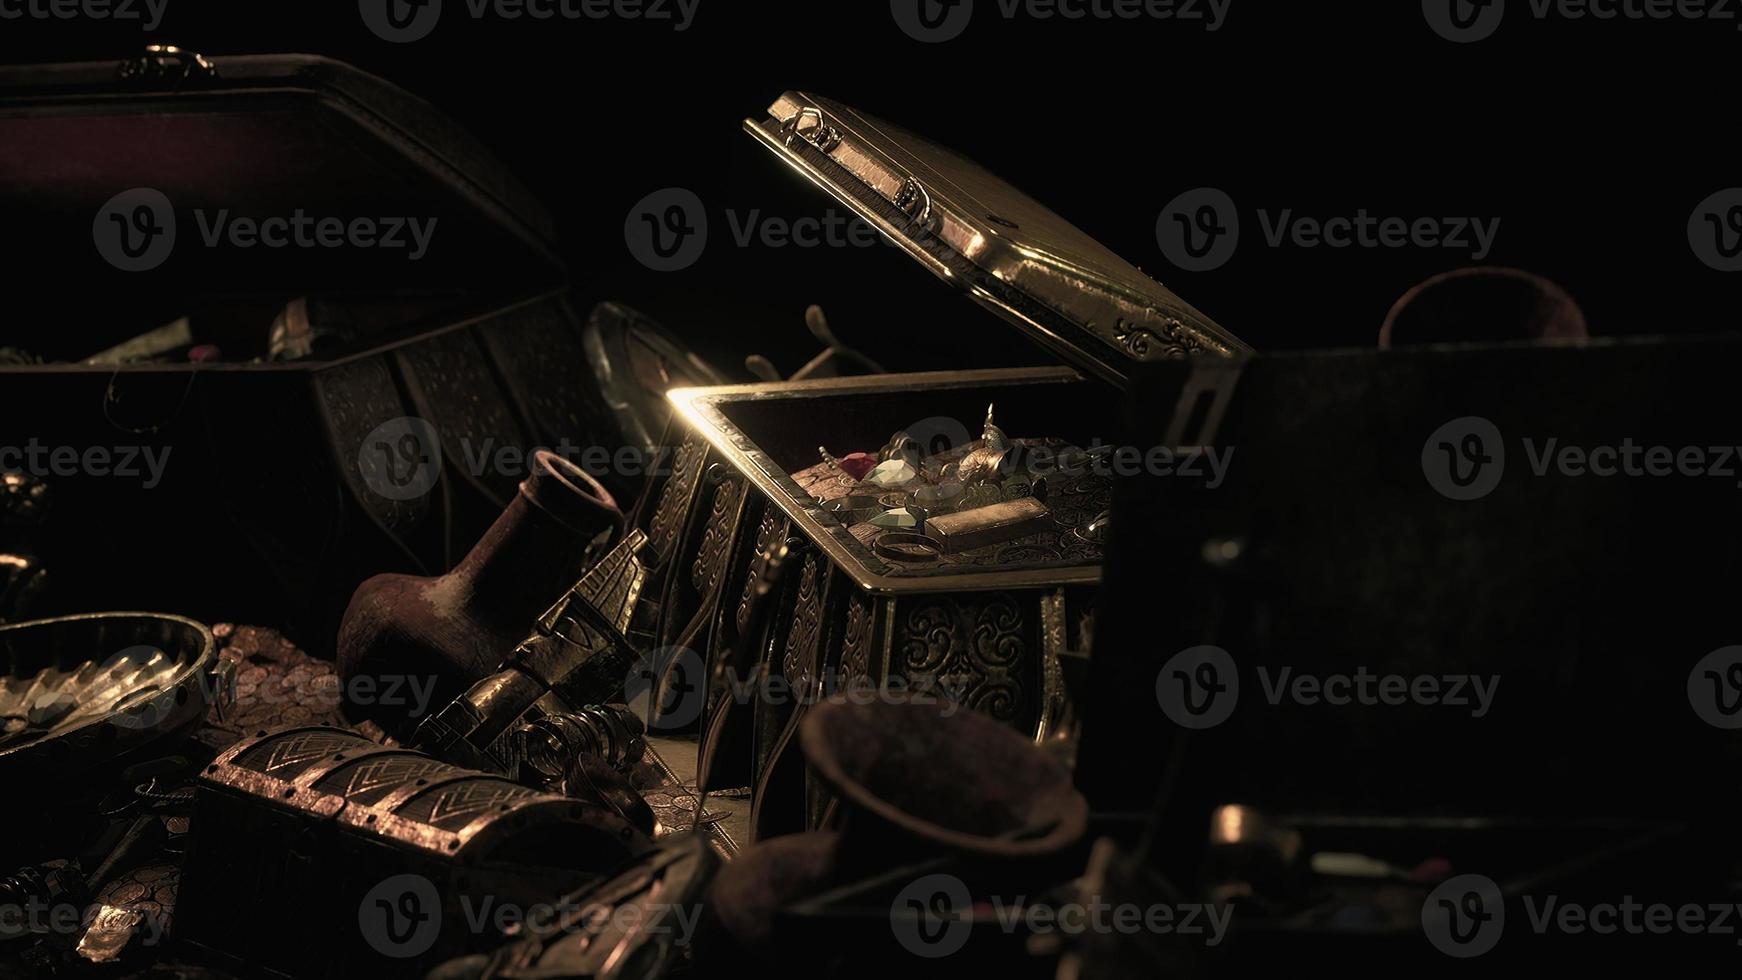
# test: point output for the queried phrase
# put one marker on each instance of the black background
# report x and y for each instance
(1591, 140)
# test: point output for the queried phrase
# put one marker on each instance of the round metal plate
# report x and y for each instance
(79, 690)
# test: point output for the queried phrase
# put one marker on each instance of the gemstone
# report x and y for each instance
(900, 517)
(856, 465)
(892, 473)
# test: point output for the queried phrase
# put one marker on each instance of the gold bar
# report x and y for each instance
(992, 524)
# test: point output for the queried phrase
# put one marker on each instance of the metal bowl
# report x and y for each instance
(76, 691)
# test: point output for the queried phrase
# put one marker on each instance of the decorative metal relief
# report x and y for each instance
(375, 776)
(716, 537)
(978, 649)
(1164, 338)
(668, 517)
(771, 531)
(807, 621)
(856, 639)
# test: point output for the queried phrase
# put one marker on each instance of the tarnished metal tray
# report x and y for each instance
(78, 690)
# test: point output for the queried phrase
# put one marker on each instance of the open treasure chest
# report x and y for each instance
(263, 349)
(932, 534)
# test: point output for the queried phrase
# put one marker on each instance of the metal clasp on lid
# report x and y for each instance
(818, 133)
(166, 62)
(915, 200)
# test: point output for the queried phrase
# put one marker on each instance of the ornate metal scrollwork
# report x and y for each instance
(716, 537)
(674, 500)
(1165, 338)
(978, 650)
(856, 639)
(807, 622)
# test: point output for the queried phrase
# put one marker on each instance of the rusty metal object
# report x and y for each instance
(453, 630)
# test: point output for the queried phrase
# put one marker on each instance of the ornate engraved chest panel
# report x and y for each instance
(419, 847)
